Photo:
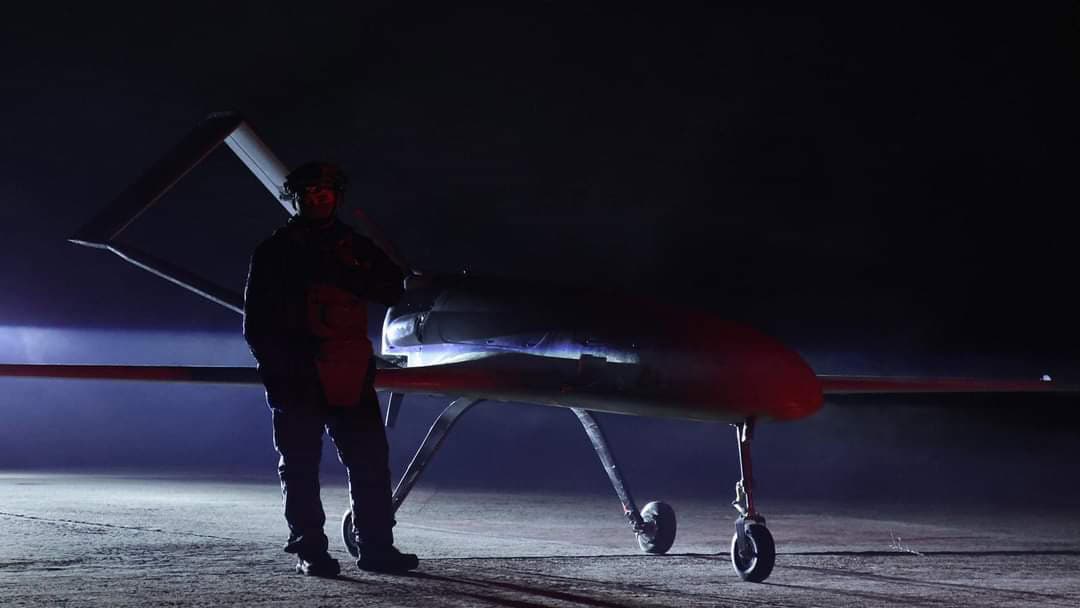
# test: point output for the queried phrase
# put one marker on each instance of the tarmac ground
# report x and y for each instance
(94, 540)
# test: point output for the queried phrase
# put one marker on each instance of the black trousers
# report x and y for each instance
(358, 434)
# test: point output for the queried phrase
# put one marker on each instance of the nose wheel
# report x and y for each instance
(753, 551)
(754, 555)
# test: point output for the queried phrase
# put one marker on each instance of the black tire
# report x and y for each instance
(662, 536)
(348, 536)
(756, 563)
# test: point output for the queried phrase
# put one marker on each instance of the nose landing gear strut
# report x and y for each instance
(753, 552)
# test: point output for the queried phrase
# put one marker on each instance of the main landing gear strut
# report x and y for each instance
(435, 436)
(654, 526)
(753, 552)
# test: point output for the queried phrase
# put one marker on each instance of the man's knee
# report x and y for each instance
(363, 451)
(300, 451)
(297, 435)
(298, 464)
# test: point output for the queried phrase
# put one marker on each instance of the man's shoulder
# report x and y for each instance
(282, 238)
(344, 232)
(294, 234)
(360, 240)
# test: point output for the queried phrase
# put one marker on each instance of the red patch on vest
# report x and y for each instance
(340, 319)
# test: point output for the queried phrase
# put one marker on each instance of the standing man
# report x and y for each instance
(305, 319)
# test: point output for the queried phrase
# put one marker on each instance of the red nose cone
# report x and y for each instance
(743, 372)
(790, 388)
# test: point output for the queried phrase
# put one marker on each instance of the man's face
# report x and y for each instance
(318, 202)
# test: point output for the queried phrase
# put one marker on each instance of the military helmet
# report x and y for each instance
(312, 174)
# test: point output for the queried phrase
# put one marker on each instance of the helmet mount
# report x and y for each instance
(310, 176)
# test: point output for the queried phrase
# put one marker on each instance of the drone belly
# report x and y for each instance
(654, 361)
(695, 367)
(435, 337)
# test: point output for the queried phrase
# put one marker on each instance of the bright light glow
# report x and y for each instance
(559, 345)
(104, 346)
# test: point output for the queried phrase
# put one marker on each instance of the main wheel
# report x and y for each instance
(348, 535)
(660, 527)
(755, 557)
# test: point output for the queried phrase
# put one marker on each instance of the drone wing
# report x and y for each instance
(885, 385)
(146, 373)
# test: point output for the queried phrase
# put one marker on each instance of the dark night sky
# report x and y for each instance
(887, 188)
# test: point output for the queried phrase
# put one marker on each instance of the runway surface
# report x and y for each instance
(79, 540)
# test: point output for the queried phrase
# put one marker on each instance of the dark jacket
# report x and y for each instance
(284, 327)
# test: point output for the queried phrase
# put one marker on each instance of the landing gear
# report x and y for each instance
(753, 552)
(348, 535)
(659, 528)
(754, 557)
(435, 436)
(655, 525)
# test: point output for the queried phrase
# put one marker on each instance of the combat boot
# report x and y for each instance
(319, 564)
(386, 558)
